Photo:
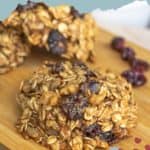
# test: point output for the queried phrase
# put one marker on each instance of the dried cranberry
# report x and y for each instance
(92, 130)
(127, 54)
(58, 67)
(75, 13)
(57, 42)
(93, 86)
(134, 77)
(90, 74)
(95, 130)
(139, 65)
(78, 63)
(118, 43)
(107, 136)
(29, 5)
(73, 106)
(137, 140)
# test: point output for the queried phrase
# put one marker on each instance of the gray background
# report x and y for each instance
(6, 6)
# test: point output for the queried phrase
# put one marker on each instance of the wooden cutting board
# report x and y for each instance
(105, 58)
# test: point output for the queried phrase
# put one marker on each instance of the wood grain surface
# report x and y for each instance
(106, 58)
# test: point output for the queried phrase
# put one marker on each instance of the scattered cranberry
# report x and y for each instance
(140, 65)
(147, 147)
(137, 140)
(73, 106)
(134, 77)
(127, 54)
(118, 43)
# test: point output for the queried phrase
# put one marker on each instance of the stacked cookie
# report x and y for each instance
(61, 30)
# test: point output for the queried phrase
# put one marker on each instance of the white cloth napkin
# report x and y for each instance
(130, 21)
(136, 14)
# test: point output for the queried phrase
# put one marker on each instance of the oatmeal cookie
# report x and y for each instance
(13, 48)
(68, 106)
(62, 30)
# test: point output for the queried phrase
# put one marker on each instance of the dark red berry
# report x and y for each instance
(127, 54)
(73, 106)
(92, 86)
(134, 77)
(137, 140)
(90, 74)
(75, 13)
(57, 68)
(118, 43)
(140, 65)
(57, 42)
(29, 5)
(147, 147)
(95, 130)
(107, 136)
(92, 130)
